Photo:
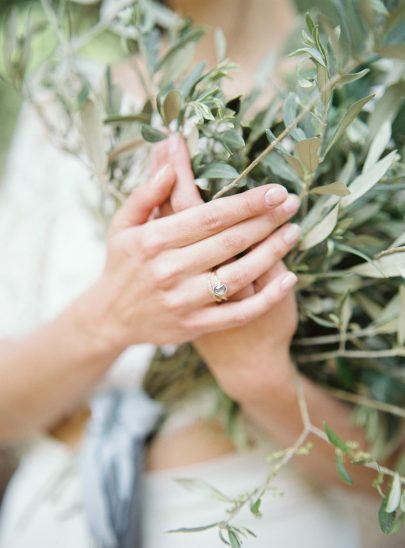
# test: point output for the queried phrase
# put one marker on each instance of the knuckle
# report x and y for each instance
(239, 279)
(278, 247)
(213, 219)
(152, 243)
(165, 275)
(251, 205)
(233, 242)
(172, 303)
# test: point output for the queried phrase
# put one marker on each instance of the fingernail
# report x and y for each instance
(174, 140)
(162, 173)
(291, 233)
(288, 281)
(292, 204)
(275, 196)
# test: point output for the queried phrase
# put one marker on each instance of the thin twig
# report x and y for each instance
(355, 354)
(124, 148)
(372, 465)
(332, 82)
(364, 400)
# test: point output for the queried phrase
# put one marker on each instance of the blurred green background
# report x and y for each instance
(10, 100)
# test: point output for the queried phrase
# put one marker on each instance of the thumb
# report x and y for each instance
(185, 193)
(143, 200)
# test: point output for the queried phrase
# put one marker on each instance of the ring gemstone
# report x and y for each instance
(220, 290)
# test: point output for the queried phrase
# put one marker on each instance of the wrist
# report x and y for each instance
(89, 320)
(265, 378)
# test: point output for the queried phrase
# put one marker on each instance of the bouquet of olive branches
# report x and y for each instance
(334, 135)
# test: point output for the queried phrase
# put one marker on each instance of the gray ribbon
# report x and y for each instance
(111, 465)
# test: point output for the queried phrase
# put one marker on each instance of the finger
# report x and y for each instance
(185, 193)
(138, 207)
(235, 314)
(264, 279)
(200, 222)
(213, 251)
(159, 157)
(239, 275)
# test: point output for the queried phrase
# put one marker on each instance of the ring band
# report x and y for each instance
(218, 288)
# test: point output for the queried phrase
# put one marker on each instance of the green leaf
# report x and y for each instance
(308, 152)
(347, 119)
(289, 109)
(255, 507)
(396, 51)
(394, 496)
(335, 439)
(322, 80)
(364, 182)
(192, 79)
(352, 77)
(401, 317)
(233, 539)
(232, 139)
(341, 469)
(190, 37)
(334, 189)
(378, 145)
(194, 529)
(220, 44)
(218, 170)
(386, 108)
(171, 106)
(203, 488)
(152, 135)
(91, 129)
(321, 230)
(142, 117)
(313, 53)
(386, 519)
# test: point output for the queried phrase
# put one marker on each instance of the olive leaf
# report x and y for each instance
(334, 189)
(335, 439)
(171, 106)
(364, 182)
(308, 152)
(152, 135)
(348, 118)
(341, 469)
(394, 496)
(389, 266)
(321, 231)
(91, 128)
(218, 170)
(378, 145)
(203, 488)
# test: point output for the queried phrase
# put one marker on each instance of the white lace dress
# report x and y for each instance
(52, 249)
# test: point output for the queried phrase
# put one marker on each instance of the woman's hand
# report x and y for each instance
(240, 371)
(155, 284)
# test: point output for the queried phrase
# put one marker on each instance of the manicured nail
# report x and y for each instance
(174, 141)
(291, 233)
(275, 196)
(288, 281)
(162, 173)
(292, 204)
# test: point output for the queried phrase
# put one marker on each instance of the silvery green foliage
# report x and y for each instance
(334, 135)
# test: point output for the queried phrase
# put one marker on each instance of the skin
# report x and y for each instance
(93, 331)
(152, 265)
(263, 381)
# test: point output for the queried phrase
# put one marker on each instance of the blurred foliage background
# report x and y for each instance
(10, 100)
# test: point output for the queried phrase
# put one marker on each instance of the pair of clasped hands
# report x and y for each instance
(165, 240)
